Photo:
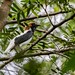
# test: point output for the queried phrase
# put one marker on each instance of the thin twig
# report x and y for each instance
(47, 15)
(40, 30)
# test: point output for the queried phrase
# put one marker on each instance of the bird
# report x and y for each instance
(22, 39)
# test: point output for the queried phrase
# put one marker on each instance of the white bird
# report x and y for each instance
(23, 38)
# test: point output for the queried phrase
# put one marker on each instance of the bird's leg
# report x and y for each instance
(18, 49)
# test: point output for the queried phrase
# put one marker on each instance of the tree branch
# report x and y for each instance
(70, 18)
(53, 28)
(21, 53)
(42, 53)
(4, 10)
(8, 61)
(47, 53)
(40, 16)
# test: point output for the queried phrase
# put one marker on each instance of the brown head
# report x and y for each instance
(33, 26)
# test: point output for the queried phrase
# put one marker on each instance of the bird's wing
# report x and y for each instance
(23, 38)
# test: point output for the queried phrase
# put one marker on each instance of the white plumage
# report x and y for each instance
(10, 46)
(12, 42)
(23, 38)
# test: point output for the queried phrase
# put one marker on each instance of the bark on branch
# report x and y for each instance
(4, 10)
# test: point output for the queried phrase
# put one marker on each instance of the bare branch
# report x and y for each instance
(42, 53)
(8, 61)
(40, 16)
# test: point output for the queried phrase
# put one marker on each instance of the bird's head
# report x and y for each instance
(33, 26)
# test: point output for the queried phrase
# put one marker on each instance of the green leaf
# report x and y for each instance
(56, 8)
(11, 29)
(4, 33)
(69, 64)
(63, 30)
(17, 32)
(1, 73)
(26, 1)
(18, 17)
(13, 8)
(21, 28)
(23, 14)
(34, 13)
(16, 6)
(28, 11)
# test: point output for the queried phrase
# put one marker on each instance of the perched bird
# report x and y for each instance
(23, 38)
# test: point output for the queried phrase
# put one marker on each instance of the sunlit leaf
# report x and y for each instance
(16, 6)
(13, 9)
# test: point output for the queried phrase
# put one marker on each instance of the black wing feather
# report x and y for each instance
(23, 38)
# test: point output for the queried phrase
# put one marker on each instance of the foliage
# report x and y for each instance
(68, 65)
(61, 38)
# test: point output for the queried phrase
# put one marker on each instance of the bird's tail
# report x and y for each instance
(10, 47)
